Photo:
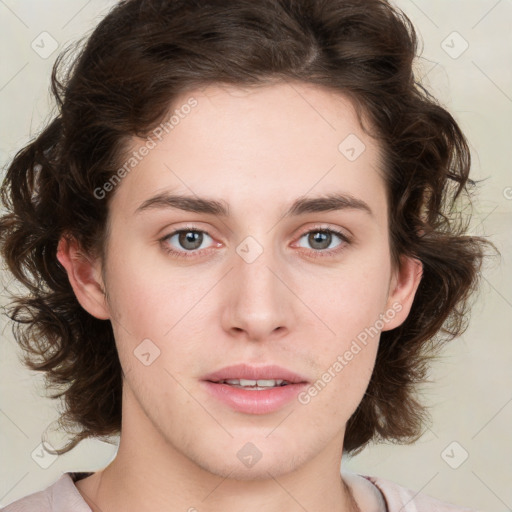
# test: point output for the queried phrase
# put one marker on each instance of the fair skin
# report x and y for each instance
(257, 151)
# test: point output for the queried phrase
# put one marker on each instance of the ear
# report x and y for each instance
(84, 274)
(402, 290)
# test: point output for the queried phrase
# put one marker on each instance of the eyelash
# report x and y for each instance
(345, 240)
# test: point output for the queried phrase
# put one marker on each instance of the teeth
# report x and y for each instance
(257, 384)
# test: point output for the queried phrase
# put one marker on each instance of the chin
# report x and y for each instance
(259, 472)
(250, 460)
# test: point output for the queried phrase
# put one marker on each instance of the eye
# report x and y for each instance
(187, 240)
(324, 240)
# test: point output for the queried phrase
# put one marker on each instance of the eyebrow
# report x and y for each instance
(303, 205)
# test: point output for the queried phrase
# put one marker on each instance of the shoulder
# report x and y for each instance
(61, 496)
(401, 499)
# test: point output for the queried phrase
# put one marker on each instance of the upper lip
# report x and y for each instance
(244, 371)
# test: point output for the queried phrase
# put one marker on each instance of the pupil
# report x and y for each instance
(320, 237)
(190, 239)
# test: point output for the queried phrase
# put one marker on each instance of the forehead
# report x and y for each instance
(269, 143)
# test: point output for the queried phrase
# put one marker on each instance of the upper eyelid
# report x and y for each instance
(186, 230)
(309, 230)
(345, 238)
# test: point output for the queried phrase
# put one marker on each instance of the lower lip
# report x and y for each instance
(252, 401)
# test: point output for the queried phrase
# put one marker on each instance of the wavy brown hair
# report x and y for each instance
(144, 54)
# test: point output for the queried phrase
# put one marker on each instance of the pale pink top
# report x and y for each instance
(63, 496)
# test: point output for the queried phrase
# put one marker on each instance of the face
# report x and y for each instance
(278, 264)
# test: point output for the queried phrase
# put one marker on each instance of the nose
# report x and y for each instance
(259, 303)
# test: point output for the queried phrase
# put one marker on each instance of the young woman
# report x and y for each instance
(239, 255)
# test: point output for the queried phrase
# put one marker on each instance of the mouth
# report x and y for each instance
(246, 376)
(256, 385)
(254, 390)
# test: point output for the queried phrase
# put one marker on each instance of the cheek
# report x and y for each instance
(344, 371)
(334, 396)
(148, 296)
(350, 299)
(346, 339)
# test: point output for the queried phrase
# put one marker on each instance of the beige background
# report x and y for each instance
(471, 390)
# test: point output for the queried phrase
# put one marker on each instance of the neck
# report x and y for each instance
(129, 484)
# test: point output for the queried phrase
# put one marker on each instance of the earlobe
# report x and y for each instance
(84, 274)
(404, 285)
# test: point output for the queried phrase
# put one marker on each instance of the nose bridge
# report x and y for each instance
(259, 303)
